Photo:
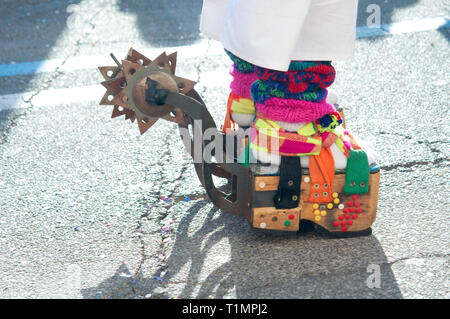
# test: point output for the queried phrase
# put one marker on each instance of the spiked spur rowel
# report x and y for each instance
(127, 83)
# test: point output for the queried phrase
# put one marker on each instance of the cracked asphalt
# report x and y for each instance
(81, 214)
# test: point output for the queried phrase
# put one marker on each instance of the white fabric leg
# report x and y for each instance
(271, 33)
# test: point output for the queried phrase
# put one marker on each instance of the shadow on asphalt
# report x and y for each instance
(387, 11)
(445, 33)
(168, 23)
(257, 259)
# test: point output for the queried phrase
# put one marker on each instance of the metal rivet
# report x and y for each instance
(294, 197)
(322, 207)
(262, 185)
(341, 206)
(352, 184)
(325, 185)
(263, 225)
(307, 179)
(316, 186)
(290, 183)
(362, 184)
(316, 195)
(325, 194)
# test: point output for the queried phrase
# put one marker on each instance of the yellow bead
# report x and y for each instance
(323, 213)
(329, 206)
(336, 201)
(317, 218)
(315, 206)
(317, 212)
(335, 195)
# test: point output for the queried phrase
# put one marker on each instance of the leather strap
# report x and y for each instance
(321, 171)
(288, 194)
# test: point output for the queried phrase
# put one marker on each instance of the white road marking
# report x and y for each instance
(93, 61)
(195, 50)
(61, 96)
(412, 26)
(53, 97)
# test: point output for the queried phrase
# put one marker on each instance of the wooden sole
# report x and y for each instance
(349, 214)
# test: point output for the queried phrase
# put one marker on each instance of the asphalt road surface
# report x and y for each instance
(81, 214)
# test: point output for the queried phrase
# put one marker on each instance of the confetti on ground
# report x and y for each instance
(158, 279)
(149, 207)
(125, 275)
(158, 291)
(163, 273)
(171, 221)
(76, 228)
(148, 296)
(161, 256)
(139, 230)
(107, 225)
(166, 228)
(187, 199)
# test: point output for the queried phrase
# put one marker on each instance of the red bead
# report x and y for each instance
(344, 228)
(355, 197)
(342, 223)
(347, 216)
(341, 217)
(350, 203)
(354, 216)
(357, 204)
(359, 210)
(336, 224)
(291, 216)
(349, 222)
(352, 209)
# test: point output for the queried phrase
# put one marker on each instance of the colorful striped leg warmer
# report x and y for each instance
(294, 103)
(240, 106)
